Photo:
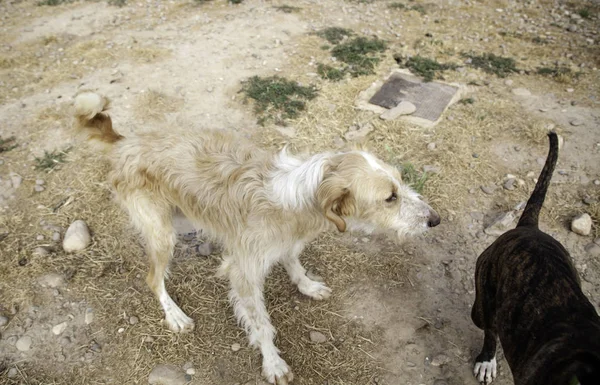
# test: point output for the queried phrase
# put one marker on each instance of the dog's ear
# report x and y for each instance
(336, 200)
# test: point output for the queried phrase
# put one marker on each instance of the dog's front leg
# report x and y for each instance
(297, 273)
(247, 297)
(485, 363)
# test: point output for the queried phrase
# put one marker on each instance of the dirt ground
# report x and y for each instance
(400, 314)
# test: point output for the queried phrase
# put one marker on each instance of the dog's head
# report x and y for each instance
(360, 192)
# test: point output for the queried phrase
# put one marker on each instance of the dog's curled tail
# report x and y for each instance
(536, 200)
(92, 120)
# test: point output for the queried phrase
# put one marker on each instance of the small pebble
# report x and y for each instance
(39, 238)
(12, 373)
(120, 330)
(133, 320)
(56, 237)
(582, 224)
(431, 146)
(59, 329)
(593, 250)
(191, 371)
(510, 184)
(236, 347)
(488, 189)
(38, 188)
(39, 182)
(205, 249)
(89, 316)
(3, 321)
(95, 347)
(439, 360)
(317, 337)
(576, 122)
(23, 344)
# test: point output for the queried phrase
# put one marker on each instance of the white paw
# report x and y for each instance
(314, 289)
(177, 321)
(485, 371)
(276, 371)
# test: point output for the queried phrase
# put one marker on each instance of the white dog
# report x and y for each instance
(263, 207)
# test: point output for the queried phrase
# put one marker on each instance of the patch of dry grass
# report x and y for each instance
(153, 105)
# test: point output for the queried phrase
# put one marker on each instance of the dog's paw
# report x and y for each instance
(277, 371)
(178, 321)
(315, 290)
(485, 371)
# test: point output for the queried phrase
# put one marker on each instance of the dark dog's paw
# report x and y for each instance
(485, 371)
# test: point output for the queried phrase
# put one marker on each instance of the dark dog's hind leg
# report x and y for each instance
(485, 363)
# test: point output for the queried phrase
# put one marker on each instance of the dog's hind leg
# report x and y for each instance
(485, 363)
(246, 280)
(154, 219)
(291, 263)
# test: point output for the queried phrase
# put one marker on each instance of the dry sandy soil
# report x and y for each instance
(400, 314)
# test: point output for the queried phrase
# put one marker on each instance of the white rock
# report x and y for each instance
(16, 180)
(508, 82)
(439, 360)
(89, 316)
(56, 237)
(41, 251)
(205, 249)
(431, 146)
(403, 108)
(59, 329)
(24, 343)
(191, 371)
(236, 347)
(167, 375)
(317, 337)
(12, 373)
(77, 237)
(3, 320)
(502, 224)
(582, 224)
(133, 320)
(521, 92)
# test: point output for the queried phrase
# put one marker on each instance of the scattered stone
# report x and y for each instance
(38, 188)
(16, 180)
(317, 337)
(488, 189)
(510, 184)
(508, 82)
(530, 174)
(429, 169)
(236, 347)
(521, 92)
(133, 320)
(149, 339)
(41, 251)
(570, 90)
(56, 237)
(89, 316)
(167, 375)
(120, 330)
(77, 237)
(576, 122)
(3, 321)
(588, 200)
(39, 238)
(338, 142)
(593, 250)
(582, 224)
(24, 343)
(12, 373)
(95, 347)
(52, 280)
(356, 132)
(501, 224)
(205, 249)
(39, 182)
(403, 108)
(572, 28)
(431, 146)
(59, 329)
(439, 360)
(190, 371)
(597, 182)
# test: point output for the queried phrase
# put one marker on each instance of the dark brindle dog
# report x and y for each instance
(528, 293)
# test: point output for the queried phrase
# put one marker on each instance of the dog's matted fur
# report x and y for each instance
(263, 207)
(528, 294)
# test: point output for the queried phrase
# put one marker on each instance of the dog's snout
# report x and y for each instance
(434, 219)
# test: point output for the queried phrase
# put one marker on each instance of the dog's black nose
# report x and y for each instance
(434, 219)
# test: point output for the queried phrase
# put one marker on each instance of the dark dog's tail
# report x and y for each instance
(536, 200)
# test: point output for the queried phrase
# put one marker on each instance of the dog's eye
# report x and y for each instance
(392, 197)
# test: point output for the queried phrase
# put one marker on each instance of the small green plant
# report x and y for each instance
(413, 177)
(50, 160)
(287, 8)
(553, 72)
(584, 13)
(53, 3)
(467, 101)
(277, 98)
(397, 6)
(539, 40)
(236, 1)
(117, 3)
(427, 68)
(359, 54)
(419, 8)
(334, 35)
(330, 73)
(7, 144)
(490, 63)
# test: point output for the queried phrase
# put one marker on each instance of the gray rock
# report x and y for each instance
(488, 189)
(576, 122)
(39, 182)
(403, 108)
(3, 320)
(77, 237)
(431, 169)
(582, 224)
(38, 188)
(439, 360)
(89, 316)
(52, 280)
(12, 373)
(593, 250)
(205, 249)
(59, 329)
(41, 251)
(24, 343)
(167, 375)
(16, 180)
(572, 28)
(502, 224)
(133, 320)
(317, 337)
(510, 184)
(95, 347)
(236, 347)
(56, 237)
(521, 92)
